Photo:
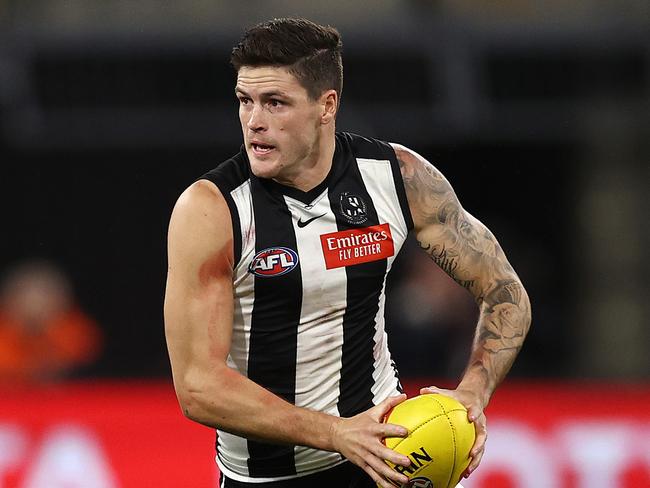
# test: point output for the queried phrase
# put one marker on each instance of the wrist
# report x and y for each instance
(478, 386)
(332, 434)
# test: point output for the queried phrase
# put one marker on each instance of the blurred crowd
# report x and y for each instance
(44, 335)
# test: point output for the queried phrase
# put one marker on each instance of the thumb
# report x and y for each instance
(386, 406)
(431, 389)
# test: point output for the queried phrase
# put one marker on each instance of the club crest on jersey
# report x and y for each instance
(353, 208)
(273, 261)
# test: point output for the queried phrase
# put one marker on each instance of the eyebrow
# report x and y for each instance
(268, 94)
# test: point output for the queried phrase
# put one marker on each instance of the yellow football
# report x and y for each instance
(440, 438)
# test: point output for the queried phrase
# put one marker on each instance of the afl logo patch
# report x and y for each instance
(353, 208)
(273, 261)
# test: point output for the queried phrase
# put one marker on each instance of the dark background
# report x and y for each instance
(538, 118)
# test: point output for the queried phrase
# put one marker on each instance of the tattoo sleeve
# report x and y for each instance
(470, 254)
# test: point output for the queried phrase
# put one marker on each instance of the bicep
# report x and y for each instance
(455, 240)
(198, 297)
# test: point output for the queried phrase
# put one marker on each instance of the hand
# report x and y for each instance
(359, 439)
(475, 414)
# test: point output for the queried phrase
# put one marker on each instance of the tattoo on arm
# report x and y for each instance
(447, 262)
(470, 254)
(504, 322)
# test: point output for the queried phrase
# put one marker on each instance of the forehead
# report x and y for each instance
(268, 78)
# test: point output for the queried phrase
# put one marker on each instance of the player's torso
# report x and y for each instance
(309, 293)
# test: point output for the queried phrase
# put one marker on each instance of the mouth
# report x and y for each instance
(260, 149)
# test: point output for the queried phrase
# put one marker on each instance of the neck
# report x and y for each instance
(315, 166)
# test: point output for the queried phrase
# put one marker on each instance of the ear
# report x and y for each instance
(329, 102)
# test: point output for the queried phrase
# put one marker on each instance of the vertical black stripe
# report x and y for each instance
(274, 326)
(236, 228)
(400, 388)
(364, 285)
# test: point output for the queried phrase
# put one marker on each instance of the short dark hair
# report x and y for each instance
(311, 52)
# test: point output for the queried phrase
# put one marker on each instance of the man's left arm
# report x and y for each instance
(468, 252)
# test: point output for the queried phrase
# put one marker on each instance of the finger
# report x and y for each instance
(392, 430)
(380, 480)
(476, 460)
(375, 477)
(480, 426)
(394, 457)
(479, 442)
(384, 470)
(478, 448)
(392, 401)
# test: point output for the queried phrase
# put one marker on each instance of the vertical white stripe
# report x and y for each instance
(320, 331)
(234, 450)
(378, 178)
(377, 175)
(385, 382)
(243, 281)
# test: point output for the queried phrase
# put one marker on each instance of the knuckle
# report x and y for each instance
(377, 451)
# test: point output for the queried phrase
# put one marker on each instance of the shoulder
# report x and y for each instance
(202, 203)
(200, 193)
(404, 154)
(200, 227)
(417, 170)
(410, 162)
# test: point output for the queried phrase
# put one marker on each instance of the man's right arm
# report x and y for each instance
(198, 329)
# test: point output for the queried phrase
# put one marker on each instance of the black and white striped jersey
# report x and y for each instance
(309, 291)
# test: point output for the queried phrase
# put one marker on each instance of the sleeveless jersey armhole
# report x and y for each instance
(234, 220)
(399, 185)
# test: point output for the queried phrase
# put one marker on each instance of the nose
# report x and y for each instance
(256, 121)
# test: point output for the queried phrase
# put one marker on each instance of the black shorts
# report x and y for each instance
(345, 475)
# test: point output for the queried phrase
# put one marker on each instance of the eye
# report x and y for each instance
(244, 100)
(275, 102)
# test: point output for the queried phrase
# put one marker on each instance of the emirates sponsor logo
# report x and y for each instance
(356, 246)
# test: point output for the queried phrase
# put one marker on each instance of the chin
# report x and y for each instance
(263, 167)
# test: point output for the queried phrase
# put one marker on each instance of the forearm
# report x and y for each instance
(233, 403)
(504, 320)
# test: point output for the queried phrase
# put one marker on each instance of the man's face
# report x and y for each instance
(280, 123)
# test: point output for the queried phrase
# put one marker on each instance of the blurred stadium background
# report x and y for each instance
(537, 112)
